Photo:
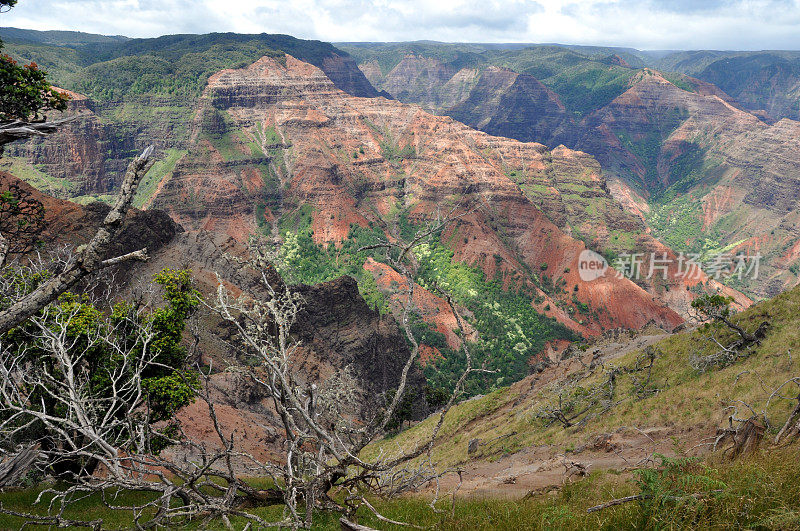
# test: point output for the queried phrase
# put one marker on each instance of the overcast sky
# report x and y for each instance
(644, 24)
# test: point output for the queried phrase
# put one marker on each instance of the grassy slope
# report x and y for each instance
(760, 491)
(757, 491)
(688, 398)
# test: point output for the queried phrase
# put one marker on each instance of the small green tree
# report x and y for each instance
(717, 314)
(127, 367)
(25, 92)
(24, 89)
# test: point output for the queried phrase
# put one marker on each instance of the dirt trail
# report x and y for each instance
(541, 468)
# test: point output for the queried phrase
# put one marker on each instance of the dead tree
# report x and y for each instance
(792, 425)
(715, 310)
(323, 450)
(743, 433)
(20, 130)
(322, 466)
(89, 260)
(16, 466)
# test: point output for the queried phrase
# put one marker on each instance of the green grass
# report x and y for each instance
(687, 397)
(32, 175)
(760, 491)
(157, 173)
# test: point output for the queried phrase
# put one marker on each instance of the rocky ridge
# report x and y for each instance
(283, 135)
(660, 137)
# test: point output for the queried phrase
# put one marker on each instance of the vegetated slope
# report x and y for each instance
(336, 327)
(706, 175)
(584, 78)
(710, 176)
(278, 149)
(617, 421)
(56, 37)
(133, 92)
(766, 82)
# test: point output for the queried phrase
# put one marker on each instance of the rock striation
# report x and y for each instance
(285, 136)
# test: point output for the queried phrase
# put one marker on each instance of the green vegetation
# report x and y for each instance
(157, 173)
(389, 55)
(677, 393)
(583, 77)
(231, 142)
(167, 380)
(144, 87)
(678, 223)
(392, 152)
(173, 65)
(759, 492)
(510, 330)
(679, 80)
(303, 260)
(584, 82)
(37, 178)
(25, 93)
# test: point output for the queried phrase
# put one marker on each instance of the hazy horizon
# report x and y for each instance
(744, 25)
(431, 41)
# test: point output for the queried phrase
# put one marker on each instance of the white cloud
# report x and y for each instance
(685, 24)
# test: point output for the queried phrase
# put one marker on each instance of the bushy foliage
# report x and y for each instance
(25, 92)
(675, 490)
(107, 344)
(510, 329)
(713, 305)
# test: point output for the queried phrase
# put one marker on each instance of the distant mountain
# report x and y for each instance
(174, 64)
(134, 92)
(766, 81)
(671, 146)
(584, 78)
(296, 153)
(57, 38)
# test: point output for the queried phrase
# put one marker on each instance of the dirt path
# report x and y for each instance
(539, 468)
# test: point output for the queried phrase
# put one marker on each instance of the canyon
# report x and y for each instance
(302, 150)
(669, 145)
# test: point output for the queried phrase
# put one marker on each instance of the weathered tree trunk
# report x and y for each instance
(18, 130)
(14, 468)
(792, 423)
(347, 525)
(90, 259)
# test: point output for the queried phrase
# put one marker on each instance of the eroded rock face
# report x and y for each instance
(343, 71)
(424, 80)
(335, 319)
(91, 153)
(505, 103)
(336, 328)
(271, 138)
(655, 134)
(741, 171)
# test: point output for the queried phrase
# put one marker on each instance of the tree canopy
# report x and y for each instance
(24, 90)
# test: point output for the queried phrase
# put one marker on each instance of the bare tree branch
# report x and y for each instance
(91, 258)
(19, 130)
